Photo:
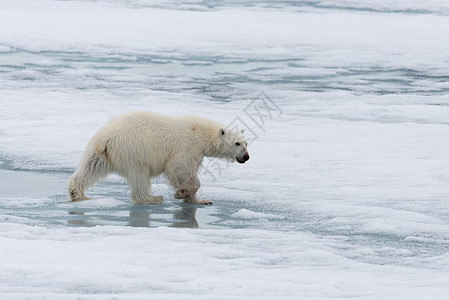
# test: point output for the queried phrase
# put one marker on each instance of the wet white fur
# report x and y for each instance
(141, 145)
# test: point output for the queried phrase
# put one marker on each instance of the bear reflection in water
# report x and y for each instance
(182, 217)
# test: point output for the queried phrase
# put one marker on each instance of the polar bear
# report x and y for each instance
(140, 145)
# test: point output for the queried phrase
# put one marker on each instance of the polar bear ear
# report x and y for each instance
(242, 131)
(222, 132)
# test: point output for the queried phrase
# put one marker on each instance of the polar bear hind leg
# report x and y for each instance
(141, 189)
(92, 168)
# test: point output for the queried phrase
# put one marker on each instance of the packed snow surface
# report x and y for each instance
(346, 107)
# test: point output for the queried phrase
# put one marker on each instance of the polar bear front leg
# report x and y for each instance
(186, 186)
(141, 191)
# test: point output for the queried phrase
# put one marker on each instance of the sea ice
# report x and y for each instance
(345, 195)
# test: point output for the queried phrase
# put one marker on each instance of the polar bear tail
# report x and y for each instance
(92, 168)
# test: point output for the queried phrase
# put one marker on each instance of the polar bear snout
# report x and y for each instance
(243, 159)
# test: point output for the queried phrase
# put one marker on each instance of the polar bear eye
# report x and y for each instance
(237, 144)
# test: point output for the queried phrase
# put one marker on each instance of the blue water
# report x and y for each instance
(216, 77)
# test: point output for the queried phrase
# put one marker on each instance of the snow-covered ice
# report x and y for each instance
(346, 193)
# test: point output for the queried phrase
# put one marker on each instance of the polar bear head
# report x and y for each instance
(234, 145)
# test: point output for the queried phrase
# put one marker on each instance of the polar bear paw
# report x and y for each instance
(184, 193)
(195, 200)
(76, 196)
(149, 200)
(203, 201)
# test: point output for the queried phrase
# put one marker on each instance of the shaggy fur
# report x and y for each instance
(141, 145)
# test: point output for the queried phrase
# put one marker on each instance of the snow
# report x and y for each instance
(173, 263)
(345, 194)
(248, 214)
